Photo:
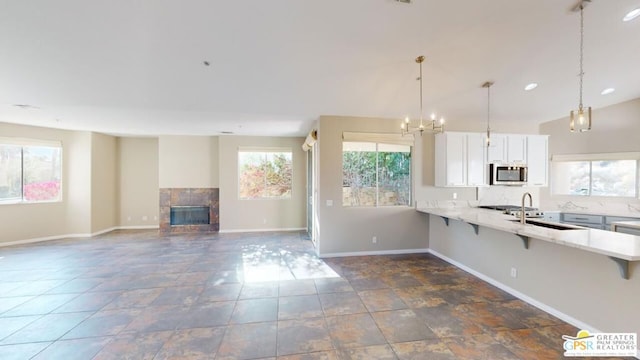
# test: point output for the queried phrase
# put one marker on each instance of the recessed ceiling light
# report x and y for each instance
(631, 15)
(607, 91)
(531, 86)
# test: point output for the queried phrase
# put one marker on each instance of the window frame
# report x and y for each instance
(377, 141)
(23, 143)
(591, 158)
(264, 150)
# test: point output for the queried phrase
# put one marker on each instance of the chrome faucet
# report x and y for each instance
(522, 215)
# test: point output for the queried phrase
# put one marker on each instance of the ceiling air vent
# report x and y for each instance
(404, 1)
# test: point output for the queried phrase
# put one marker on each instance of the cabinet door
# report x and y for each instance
(456, 160)
(450, 159)
(497, 152)
(476, 159)
(537, 160)
(517, 149)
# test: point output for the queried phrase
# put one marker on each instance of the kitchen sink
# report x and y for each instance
(550, 225)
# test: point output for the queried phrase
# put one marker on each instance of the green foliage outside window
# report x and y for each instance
(265, 175)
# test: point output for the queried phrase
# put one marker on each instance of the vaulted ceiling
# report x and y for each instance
(138, 67)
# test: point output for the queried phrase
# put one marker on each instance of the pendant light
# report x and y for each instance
(433, 125)
(488, 86)
(581, 119)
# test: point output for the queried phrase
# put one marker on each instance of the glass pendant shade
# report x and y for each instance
(580, 120)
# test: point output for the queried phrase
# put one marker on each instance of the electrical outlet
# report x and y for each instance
(264, 221)
(145, 218)
(155, 217)
(128, 218)
(514, 272)
(374, 240)
(455, 196)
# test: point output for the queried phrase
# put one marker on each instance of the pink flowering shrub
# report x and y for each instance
(42, 191)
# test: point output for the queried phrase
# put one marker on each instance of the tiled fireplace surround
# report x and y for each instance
(189, 197)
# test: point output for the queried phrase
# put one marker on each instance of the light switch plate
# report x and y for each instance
(329, 202)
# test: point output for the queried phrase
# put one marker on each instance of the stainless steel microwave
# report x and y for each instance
(500, 174)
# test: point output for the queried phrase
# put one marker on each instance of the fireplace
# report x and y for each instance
(189, 210)
(189, 215)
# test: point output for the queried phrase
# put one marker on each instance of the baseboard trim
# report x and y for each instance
(542, 306)
(374, 253)
(138, 227)
(259, 230)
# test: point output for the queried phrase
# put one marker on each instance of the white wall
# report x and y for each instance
(188, 161)
(615, 128)
(344, 230)
(236, 214)
(138, 182)
(577, 283)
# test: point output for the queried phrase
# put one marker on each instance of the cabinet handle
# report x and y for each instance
(537, 184)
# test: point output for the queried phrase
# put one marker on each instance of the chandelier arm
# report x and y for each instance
(581, 52)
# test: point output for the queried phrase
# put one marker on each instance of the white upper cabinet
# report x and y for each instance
(476, 159)
(538, 160)
(460, 159)
(497, 152)
(451, 159)
(517, 149)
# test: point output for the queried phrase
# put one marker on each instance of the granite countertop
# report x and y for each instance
(618, 245)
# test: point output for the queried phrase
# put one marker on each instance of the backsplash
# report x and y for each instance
(507, 195)
(621, 208)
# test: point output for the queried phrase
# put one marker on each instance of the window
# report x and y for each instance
(613, 175)
(29, 173)
(265, 174)
(375, 174)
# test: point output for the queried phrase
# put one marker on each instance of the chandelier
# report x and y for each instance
(432, 125)
(581, 119)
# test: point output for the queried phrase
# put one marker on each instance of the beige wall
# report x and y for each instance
(349, 229)
(104, 175)
(138, 182)
(188, 162)
(615, 128)
(72, 214)
(577, 283)
(236, 214)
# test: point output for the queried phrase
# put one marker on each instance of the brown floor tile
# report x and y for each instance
(361, 284)
(297, 287)
(73, 349)
(420, 296)
(352, 331)
(225, 292)
(378, 352)
(446, 321)
(178, 295)
(134, 299)
(47, 328)
(528, 344)
(341, 304)
(157, 318)
(402, 326)
(192, 344)
(207, 315)
(134, 346)
(303, 336)
(259, 290)
(333, 285)
(255, 310)
(432, 349)
(484, 315)
(381, 300)
(320, 355)
(41, 305)
(299, 307)
(91, 301)
(401, 280)
(103, 323)
(248, 341)
(478, 347)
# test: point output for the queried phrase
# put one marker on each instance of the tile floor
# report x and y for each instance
(138, 295)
